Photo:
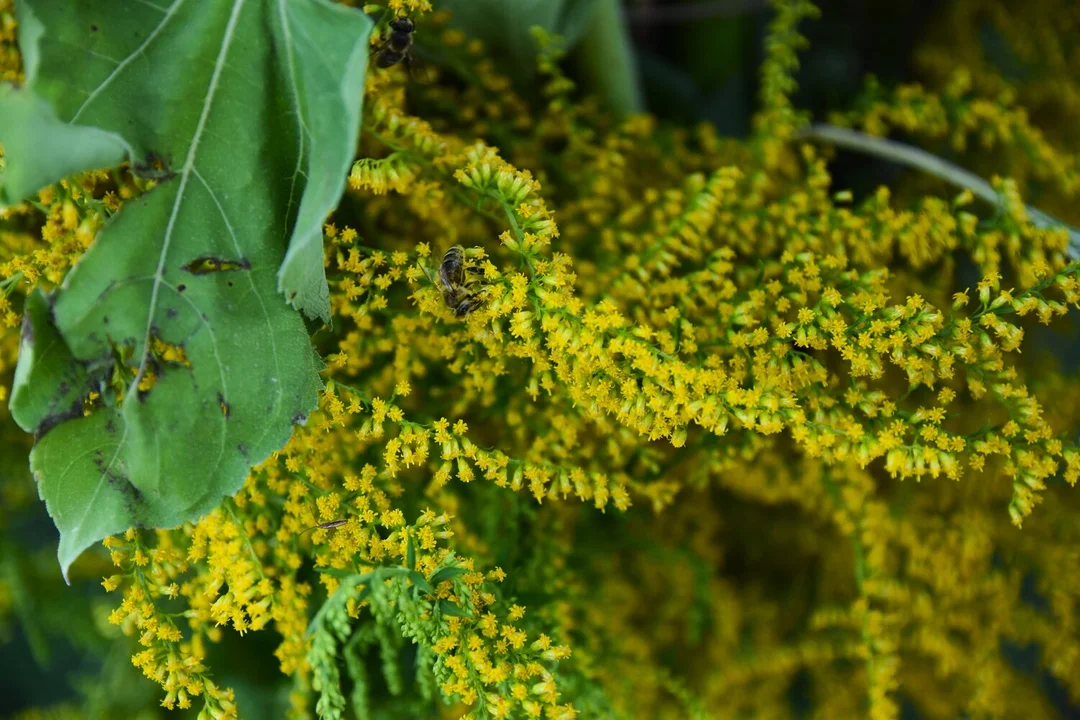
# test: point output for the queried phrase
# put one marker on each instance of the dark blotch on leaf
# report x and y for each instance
(171, 313)
(181, 287)
(209, 263)
(52, 420)
(154, 167)
(134, 502)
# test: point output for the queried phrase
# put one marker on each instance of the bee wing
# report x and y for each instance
(452, 272)
(418, 69)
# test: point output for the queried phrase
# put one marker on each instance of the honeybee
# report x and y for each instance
(458, 282)
(398, 46)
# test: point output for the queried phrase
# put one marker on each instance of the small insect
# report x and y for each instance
(398, 47)
(153, 167)
(457, 282)
(327, 525)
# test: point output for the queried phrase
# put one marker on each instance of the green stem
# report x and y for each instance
(927, 162)
(228, 505)
(518, 235)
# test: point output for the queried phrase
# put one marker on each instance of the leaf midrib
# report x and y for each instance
(185, 176)
(159, 274)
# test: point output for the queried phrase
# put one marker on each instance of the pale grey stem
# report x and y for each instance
(927, 162)
(650, 13)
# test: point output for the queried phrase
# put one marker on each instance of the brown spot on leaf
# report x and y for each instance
(209, 264)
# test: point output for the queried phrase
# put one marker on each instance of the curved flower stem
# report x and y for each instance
(927, 162)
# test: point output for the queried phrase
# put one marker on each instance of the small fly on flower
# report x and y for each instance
(327, 525)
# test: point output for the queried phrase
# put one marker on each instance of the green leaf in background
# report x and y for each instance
(607, 60)
(504, 25)
(598, 25)
(184, 280)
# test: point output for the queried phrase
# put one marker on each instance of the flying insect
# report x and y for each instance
(397, 47)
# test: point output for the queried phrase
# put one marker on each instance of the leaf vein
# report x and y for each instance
(185, 175)
(128, 60)
(269, 324)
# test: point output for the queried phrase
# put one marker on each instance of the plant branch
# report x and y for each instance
(927, 162)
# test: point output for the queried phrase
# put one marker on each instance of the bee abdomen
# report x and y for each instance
(388, 58)
(399, 43)
(454, 255)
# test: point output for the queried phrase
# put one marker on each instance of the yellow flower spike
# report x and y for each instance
(787, 343)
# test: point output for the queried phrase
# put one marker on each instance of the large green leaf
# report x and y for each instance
(183, 282)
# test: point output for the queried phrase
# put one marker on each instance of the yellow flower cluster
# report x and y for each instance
(735, 435)
(805, 341)
(961, 117)
(11, 69)
(147, 575)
